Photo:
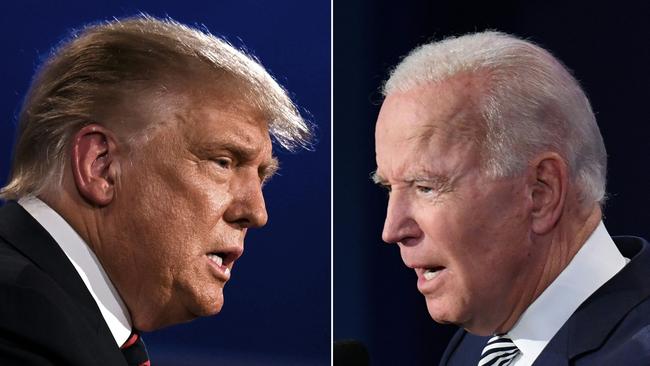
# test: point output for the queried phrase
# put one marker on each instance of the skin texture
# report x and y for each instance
(497, 242)
(153, 209)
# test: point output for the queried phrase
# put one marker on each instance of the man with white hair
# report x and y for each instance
(142, 150)
(496, 170)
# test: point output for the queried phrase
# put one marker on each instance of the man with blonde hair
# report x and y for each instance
(496, 172)
(142, 149)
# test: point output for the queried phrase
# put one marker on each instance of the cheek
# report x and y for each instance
(187, 203)
(497, 219)
(452, 229)
(475, 240)
(169, 221)
(494, 252)
(198, 289)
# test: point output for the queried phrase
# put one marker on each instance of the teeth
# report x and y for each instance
(430, 274)
(216, 259)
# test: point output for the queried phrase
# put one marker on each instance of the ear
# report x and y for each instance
(549, 191)
(94, 149)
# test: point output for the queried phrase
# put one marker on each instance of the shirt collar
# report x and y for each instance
(595, 263)
(90, 270)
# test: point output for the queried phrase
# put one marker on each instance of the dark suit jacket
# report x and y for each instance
(612, 327)
(47, 315)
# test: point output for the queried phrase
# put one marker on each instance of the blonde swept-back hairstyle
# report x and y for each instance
(530, 102)
(114, 60)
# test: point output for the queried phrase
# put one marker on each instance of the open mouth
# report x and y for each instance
(218, 259)
(431, 273)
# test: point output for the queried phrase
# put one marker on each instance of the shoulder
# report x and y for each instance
(30, 298)
(631, 337)
(627, 341)
(629, 344)
(39, 322)
(23, 282)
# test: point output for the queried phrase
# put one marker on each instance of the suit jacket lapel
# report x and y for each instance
(589, 327)
(28, 237)
(464, 349)
(556, 352)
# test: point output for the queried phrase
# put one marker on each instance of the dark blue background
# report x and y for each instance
(607, 44)
(277, 306)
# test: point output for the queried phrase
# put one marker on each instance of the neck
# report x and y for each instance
(557, 249)
(80, 215)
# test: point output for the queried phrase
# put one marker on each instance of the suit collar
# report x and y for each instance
(597, 262)
(86, 264)
(589, 327)
(607, 306)
(29, 238)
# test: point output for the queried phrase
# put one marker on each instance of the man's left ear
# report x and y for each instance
(550, 173)
(94, 164)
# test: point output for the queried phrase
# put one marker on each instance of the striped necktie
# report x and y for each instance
(134, 351)
(499, 351)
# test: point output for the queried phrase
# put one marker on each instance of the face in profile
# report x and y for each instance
(184, 201)
(463, 233)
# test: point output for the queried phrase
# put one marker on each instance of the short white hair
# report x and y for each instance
(529, 101)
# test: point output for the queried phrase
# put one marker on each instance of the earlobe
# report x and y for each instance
(93, 156)
(549, 191)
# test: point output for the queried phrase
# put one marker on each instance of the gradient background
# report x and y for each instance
(607, 46)
(277, 307)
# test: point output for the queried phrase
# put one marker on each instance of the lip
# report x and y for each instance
(229, 256)
(428, 287)
(222, 272)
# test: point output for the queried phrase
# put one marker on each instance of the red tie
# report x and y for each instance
(134, 351)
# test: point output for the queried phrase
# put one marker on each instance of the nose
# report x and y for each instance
(400, 225)
(247, 208)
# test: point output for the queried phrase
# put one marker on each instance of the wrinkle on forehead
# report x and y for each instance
(432, 130)
(451, 112)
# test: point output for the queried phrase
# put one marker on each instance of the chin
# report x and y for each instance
(439, 317)
(211, 310)
(182, 314)
(207, 304)
(461, 320)
(442, 313)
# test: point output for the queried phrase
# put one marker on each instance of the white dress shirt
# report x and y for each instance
(595, 263)
(87, 265)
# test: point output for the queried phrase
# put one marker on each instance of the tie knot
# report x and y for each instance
(499, 351)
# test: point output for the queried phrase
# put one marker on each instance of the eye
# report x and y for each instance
(223, 162)
(423, 189)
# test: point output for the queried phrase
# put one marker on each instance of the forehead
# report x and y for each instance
(447, 109)
(209, 111)
(200, 100)
(207, 118)
(213, 105)
(428, 124)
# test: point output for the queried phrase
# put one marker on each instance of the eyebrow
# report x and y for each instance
(243, 153)
(420, 176)
(426, 177)
(376, 178)
(269, 169)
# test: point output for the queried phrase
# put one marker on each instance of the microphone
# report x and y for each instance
(350, 353)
